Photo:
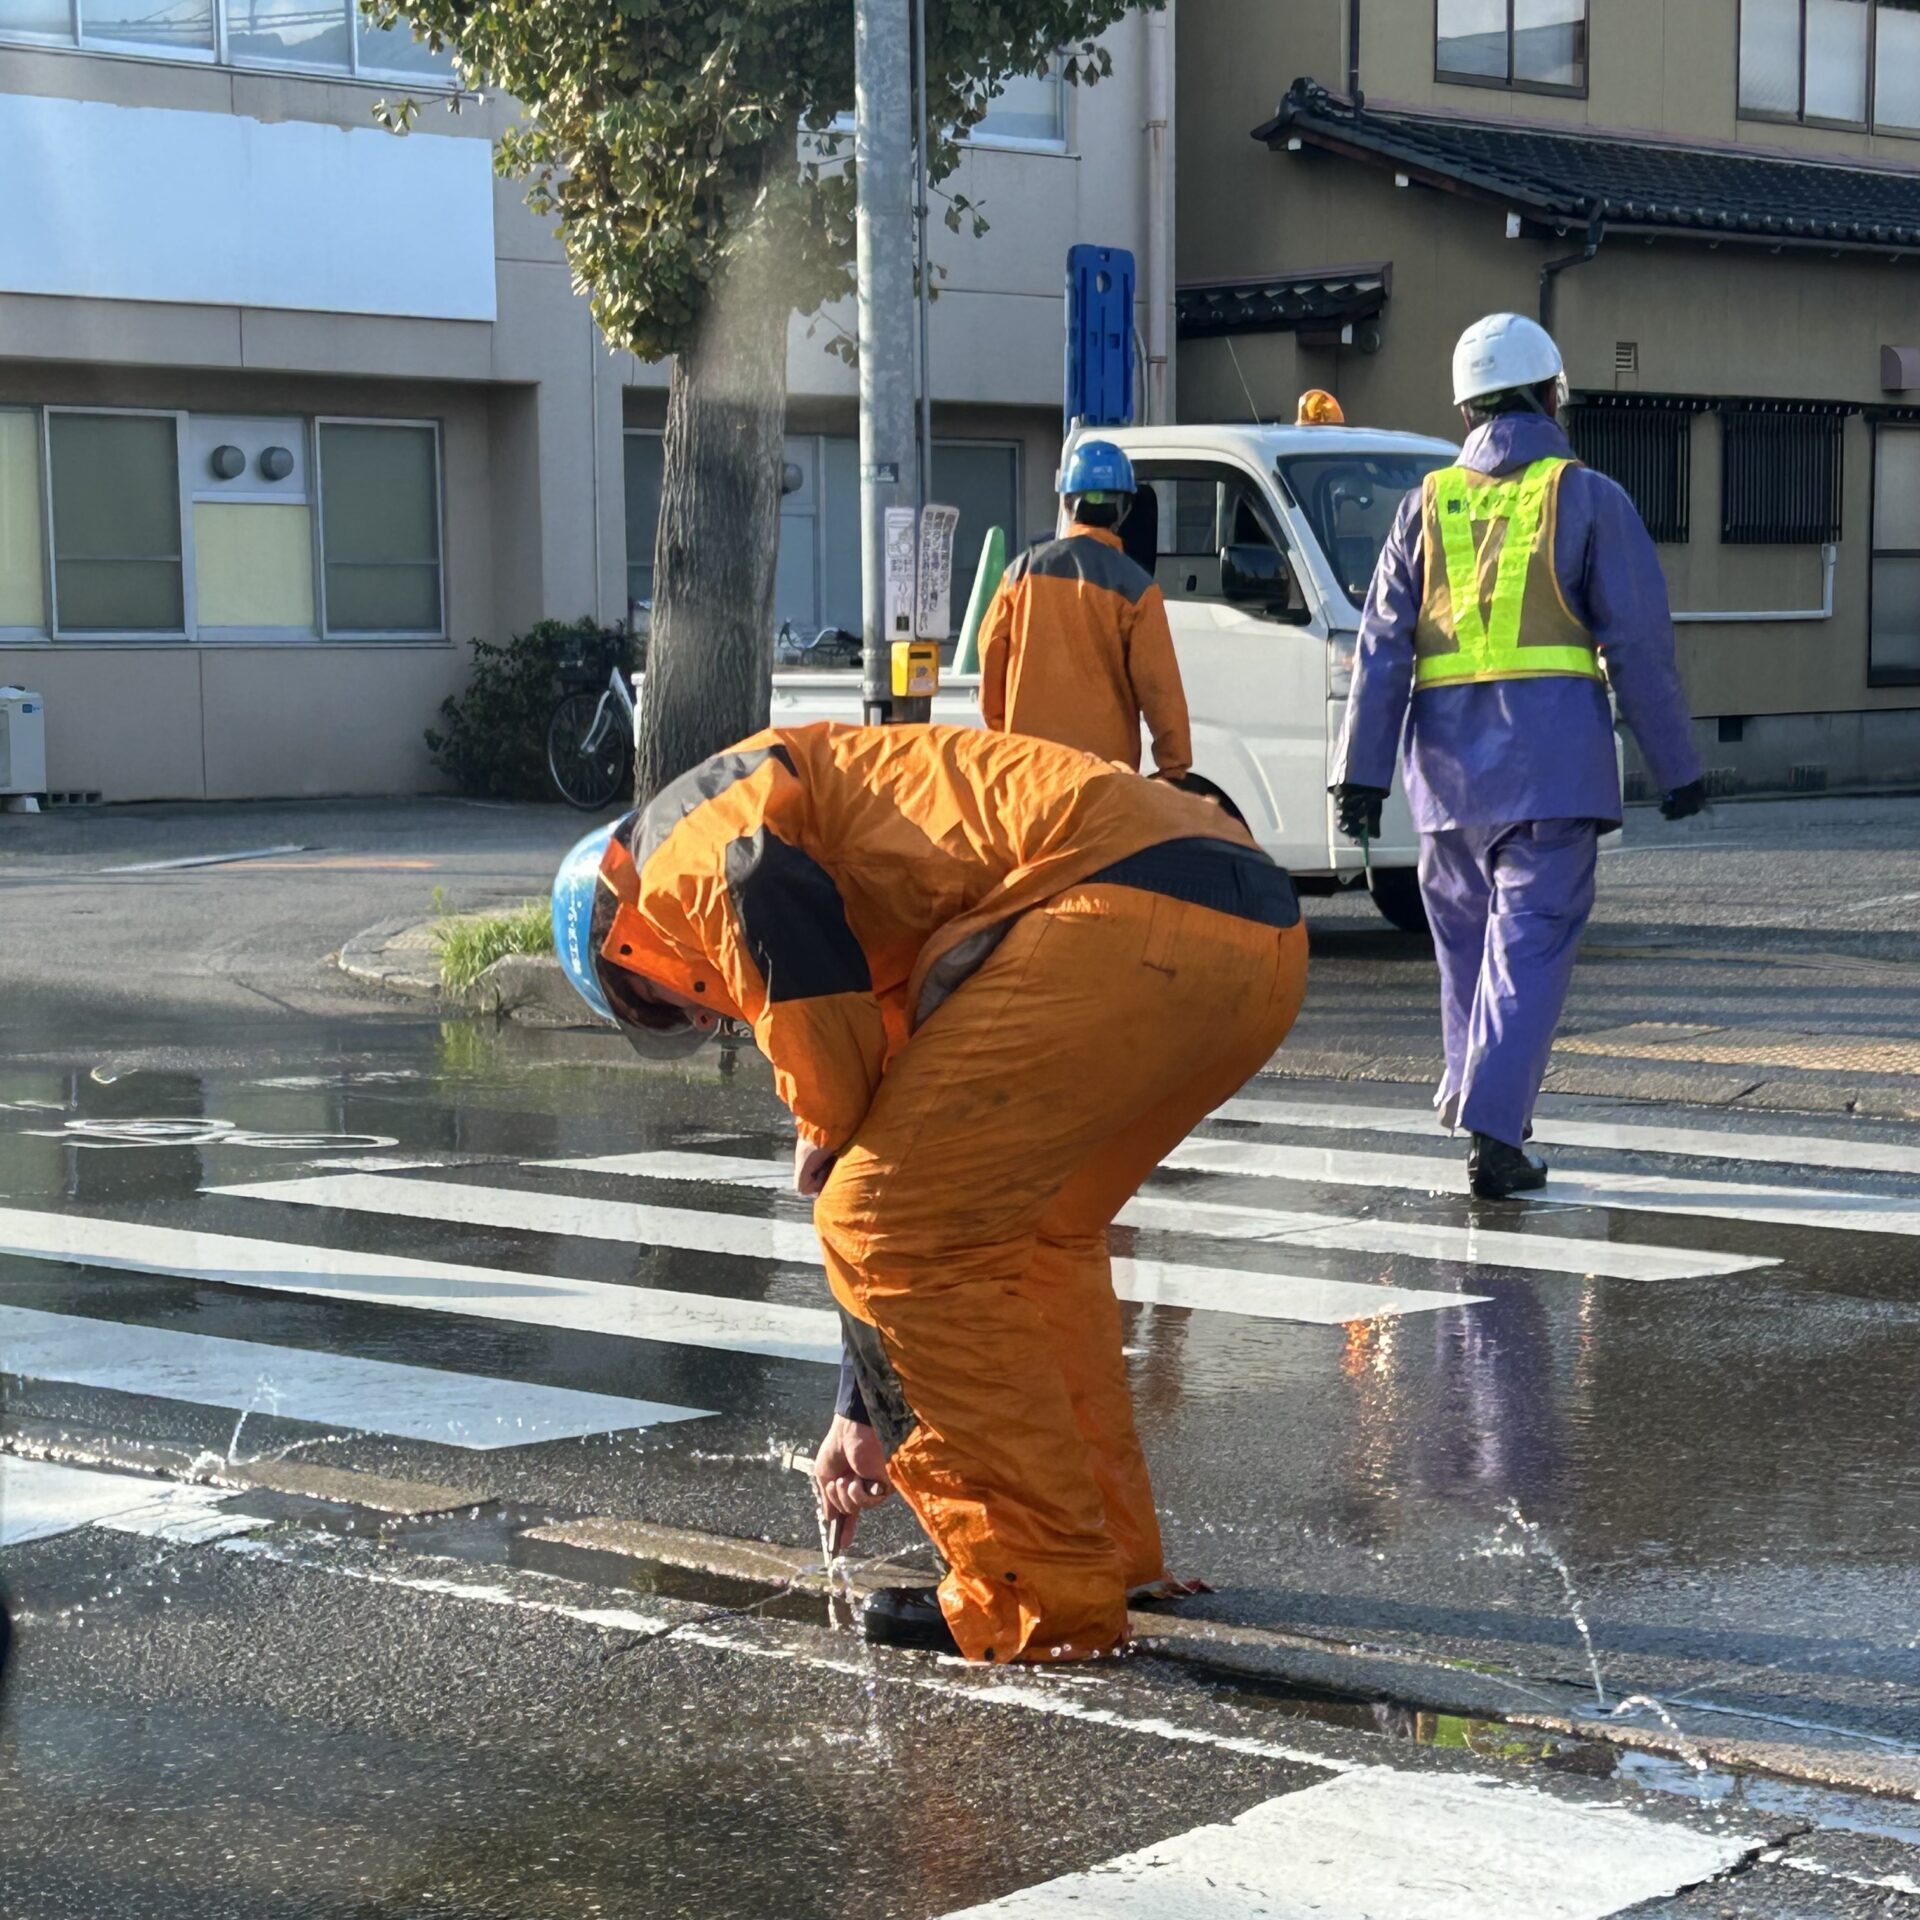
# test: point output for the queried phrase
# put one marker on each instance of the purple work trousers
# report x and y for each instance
(1507, 905)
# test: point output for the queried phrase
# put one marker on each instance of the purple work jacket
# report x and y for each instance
(1488, 753)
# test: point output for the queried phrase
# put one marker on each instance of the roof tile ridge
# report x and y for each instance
(1643, 137)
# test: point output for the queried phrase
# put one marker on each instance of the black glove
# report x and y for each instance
(1357, 809)
(1684, 802)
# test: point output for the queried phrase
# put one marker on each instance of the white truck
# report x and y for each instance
(1263, 540)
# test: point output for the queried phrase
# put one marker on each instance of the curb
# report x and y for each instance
(1265, 1656)
(1217, 1650)
(398, 956)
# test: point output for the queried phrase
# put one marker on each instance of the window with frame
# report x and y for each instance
(23, 571)
(1530, 45)
(645, 465)
(1851, 63)
(1780, 474)
(322, 36)
(1893, 627)
(113, 482)
(1648, 451)
(1200, 510)
(380, 528)
(1030, 110)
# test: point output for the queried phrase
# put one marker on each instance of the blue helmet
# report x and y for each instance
(574, 889)
(1095, 467)
(653, 1028)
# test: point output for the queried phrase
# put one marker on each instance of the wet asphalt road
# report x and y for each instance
(327, 1714)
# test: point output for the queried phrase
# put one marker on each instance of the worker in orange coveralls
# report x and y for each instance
(1075, 645)
(998, 980)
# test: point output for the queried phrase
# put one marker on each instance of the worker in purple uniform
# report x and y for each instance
(1515, 588)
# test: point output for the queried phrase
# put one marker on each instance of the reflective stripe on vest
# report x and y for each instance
(1493, 608)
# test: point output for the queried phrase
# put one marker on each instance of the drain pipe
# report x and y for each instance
(1553, 269)
(1159, 267)
(1353, 55)
(1829, 557)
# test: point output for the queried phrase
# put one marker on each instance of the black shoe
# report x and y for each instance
(908, 1617)
(1496, 1171)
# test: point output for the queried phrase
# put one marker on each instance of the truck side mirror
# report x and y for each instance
(1256, 574)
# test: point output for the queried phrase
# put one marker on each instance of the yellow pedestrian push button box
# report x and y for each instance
(916, 669)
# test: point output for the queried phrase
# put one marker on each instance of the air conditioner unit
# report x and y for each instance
(23, 742)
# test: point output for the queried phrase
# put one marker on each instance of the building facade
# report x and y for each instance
(291, 408)
(1716, 206)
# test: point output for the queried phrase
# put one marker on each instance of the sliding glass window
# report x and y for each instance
(114, 480)
(1849, 63)
(1893, 644)
(1536, 46)
(380, 527)
(318, 36)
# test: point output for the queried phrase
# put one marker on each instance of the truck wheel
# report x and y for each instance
(1396, 892)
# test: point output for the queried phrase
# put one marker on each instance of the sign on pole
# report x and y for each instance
(933, 601)
(1099, 391)
(900, 573)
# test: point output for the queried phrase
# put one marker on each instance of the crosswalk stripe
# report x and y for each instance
(1377, 1842)
(1620, 1136)
(41, 1499)
(1632, 1192)
(1260, 1296)
(328, 1389)
(431, 1286)
(1427, 1240)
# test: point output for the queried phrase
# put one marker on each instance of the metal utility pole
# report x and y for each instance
(923, 254)
(882, 140)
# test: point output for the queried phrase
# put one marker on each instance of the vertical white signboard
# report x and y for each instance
(933, 613)
(900, 573)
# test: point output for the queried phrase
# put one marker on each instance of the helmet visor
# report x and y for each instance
(654, 1028)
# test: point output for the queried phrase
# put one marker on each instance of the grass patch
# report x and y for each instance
(470, 945)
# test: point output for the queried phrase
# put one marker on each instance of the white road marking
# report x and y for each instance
(1259, 1296)
(1426, 1240)
(1891, 1882)
(40, 1499)
(205, 860)
(427, 1286)
(1623, 1136)
(1377, 1844)
(487, 1593)
(1634, 1192)
(292, 1383)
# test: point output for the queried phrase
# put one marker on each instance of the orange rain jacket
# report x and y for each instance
(830, 884)
(1075, 648)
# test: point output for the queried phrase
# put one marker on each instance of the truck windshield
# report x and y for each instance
(1350, 500)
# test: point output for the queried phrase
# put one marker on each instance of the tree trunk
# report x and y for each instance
(710, 653)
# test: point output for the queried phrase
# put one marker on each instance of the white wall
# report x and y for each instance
(146, 203)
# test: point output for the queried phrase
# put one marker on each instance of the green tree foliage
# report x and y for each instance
(687, 151)
(658, 132)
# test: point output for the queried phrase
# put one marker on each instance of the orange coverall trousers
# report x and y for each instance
(967, 1222)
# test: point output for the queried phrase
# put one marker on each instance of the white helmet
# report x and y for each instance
(1501, 352)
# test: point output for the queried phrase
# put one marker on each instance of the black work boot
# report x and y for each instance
(908, 1617)
(1496, 1171)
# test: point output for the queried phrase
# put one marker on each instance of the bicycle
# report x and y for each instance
(590, 736)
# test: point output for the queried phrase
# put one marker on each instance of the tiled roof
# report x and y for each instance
(1645, 184)
(1281, 302)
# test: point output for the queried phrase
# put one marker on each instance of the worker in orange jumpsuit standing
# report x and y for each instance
(1075, 646)
(998, 980)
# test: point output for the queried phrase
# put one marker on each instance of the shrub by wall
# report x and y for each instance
(492, 738)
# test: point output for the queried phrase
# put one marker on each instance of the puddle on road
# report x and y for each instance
(1507, 1745)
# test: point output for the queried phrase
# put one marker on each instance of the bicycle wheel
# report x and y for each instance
(587, 780)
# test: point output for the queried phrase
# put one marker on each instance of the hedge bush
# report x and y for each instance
(492, 740)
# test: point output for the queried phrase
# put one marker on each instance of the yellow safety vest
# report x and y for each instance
(1493, 608)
